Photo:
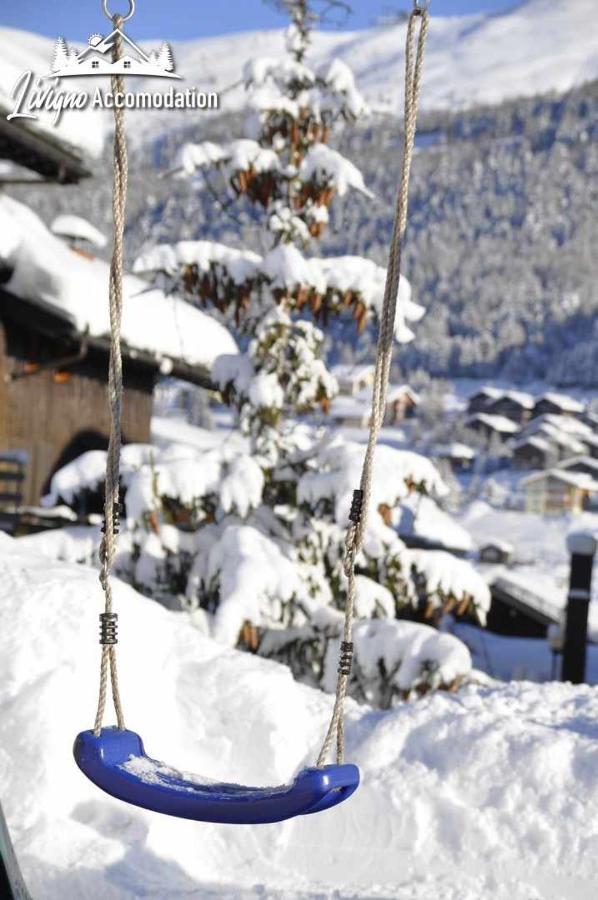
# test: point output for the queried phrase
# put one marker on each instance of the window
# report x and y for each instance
(95, 64)
(127, 63)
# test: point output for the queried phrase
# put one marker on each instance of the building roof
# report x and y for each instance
(580, 461)
(491, 392)
(348, 408)
(40, 151)
(563, 401)
(455, 451)
(525, 401)
(352, 373)
(575, 479)
(74, 289)
(495, 423)
(535, 441)
(71, 226)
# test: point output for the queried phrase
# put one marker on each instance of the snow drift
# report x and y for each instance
(489, 793)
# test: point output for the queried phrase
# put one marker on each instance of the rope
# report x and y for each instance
(115, 391)
(414, 56)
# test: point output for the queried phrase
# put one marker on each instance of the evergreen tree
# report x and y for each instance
(266, 561)
(61, 55)
(165, 59)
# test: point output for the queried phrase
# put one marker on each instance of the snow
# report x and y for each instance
(422, 517)
(536, 46)
(81, 130)
(67, 225)
(88, 472)
(239, 265)
(496, 423)
(406, 649)
(46, 271)
(339, 471)
(241, 155)
(285, 267)
(328, 167)
(487, 793)
(448, 576)
(563, 401)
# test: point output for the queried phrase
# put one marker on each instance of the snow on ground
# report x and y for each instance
(517, 658)
(488, 793)
(534, 46)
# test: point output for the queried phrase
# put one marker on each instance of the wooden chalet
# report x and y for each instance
(557, 404)
(558, 491)
(481, 400)
(53, 369)
(514, 405)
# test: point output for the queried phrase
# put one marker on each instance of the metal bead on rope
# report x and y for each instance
(414, 55)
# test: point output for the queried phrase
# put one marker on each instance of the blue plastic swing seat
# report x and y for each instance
(117, 763)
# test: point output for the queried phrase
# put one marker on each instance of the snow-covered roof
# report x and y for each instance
(68, 225)
(576, 479)
(82, 130)
(348, 408)
(579, 461)
(455, 450)
(561, 423)
(47, 272)
(533, 440)
(352, 373)
(491, 392)
(563, 401)
(522, 399)
(495, 423)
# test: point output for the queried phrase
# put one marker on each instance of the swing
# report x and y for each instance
(114, 758)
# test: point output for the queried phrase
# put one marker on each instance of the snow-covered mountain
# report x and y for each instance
(533, 47)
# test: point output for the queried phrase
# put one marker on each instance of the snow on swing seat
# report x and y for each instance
(117, 763)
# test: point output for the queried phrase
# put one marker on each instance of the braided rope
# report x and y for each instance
(115, 389)
(414, 57)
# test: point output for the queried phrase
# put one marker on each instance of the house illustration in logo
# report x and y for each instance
(96, 59)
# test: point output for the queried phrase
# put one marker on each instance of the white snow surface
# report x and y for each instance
(488, 793)
(68, 225)
(46, 271)
(531, 47)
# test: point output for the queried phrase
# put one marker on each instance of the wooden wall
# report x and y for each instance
(53, 419)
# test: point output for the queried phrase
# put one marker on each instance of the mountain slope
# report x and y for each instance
(537, 46)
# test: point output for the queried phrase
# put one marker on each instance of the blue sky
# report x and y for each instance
(186, 19)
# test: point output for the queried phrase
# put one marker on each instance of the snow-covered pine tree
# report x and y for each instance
(252, 534)
(165, 59)
(61, 55)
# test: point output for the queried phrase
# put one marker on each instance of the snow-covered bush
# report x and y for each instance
(250, 535)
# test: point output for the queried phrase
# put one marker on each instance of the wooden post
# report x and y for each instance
(582, 547)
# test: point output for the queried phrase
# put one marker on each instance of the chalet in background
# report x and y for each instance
(54, 360)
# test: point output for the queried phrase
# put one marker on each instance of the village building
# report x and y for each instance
(354, 410)
(559, 404)
(460, 456)
(534, 452)
(492, 427)
(496, 552)
(558, 491)
(54, 338)
(584, 464)
(481, 400)
(353, 380)
(515, 405)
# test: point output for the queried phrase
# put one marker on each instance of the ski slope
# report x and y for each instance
(532, 47)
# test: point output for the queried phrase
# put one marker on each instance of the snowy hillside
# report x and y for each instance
(537, 46)
(488, 793)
